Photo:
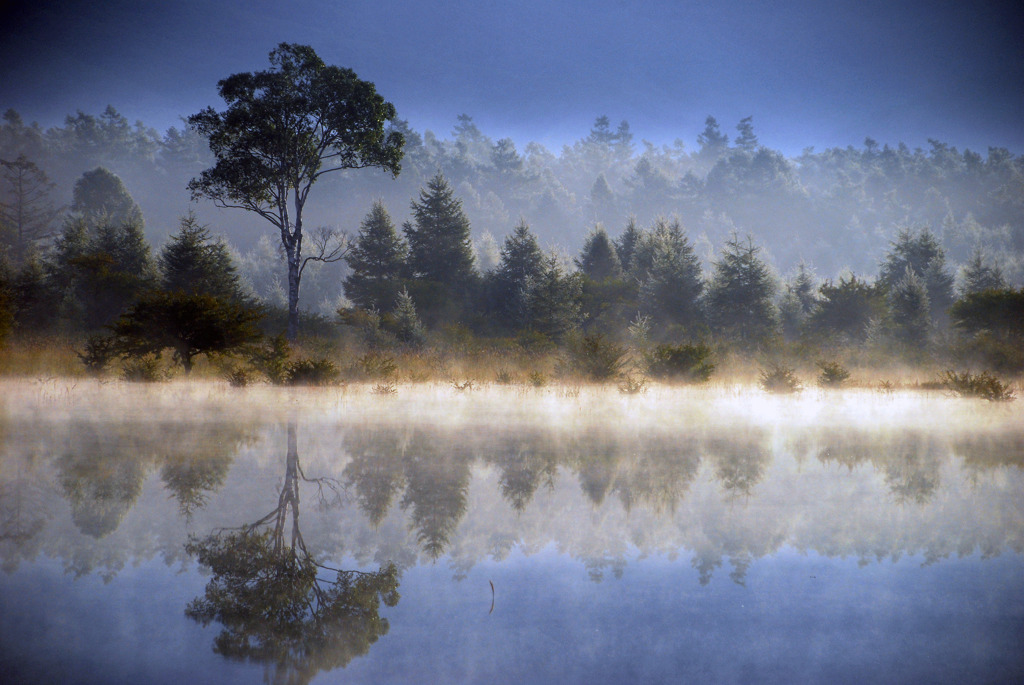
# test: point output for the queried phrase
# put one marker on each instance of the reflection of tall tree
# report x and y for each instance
(376, 469)
(525, 464)
(659, 474)
(438, 483)
(277, 604)
(597, 459)
(23, 515)
(197, 462)
(910, 460)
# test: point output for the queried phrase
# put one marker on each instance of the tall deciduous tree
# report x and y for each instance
(377, 260)
(284, 129)
(100, 197)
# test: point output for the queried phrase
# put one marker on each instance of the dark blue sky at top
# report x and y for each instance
(811, 73)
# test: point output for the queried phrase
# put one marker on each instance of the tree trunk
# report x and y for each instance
(293, 297)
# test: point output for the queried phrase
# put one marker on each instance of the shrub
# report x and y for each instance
(633, 386)
(312, 372)
(504, 377)
(595, 358)
(537, 379)
(688, 363)
(271, 359)
(144, 369)
(238, 378)
(99, 351)
(833, 374)
(983, 385)
(377, 366)
(385, 388)
(779, 379)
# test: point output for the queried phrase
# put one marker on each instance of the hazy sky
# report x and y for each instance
(811, 73)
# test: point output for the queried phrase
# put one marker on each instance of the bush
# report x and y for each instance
(238, 378)
(271, 359)
(594, 357)
(633, 386)
(833, 374)
(375, 365)
(312, 372)
(983, 385)
(537, 379)
(504, 377)
(779, 379)
(688, 363)
(145, 369)
(99, 351)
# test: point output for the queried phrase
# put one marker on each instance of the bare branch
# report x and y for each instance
(328, 245)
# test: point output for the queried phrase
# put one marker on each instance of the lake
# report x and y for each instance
(190, 532)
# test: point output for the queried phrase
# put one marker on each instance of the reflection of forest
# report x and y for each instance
(598, 492)
(276, 603)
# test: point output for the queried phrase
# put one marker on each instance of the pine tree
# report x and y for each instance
(555, 301)
(978, 276)
(377, 260)
(746, 140)
(521, 267)
(713, 143)
(739, 299)
(598, 258)
(921, 252)
(192, 262)
(440, 249)
(909, 307)
(407, 326)
(627, 243)
(671, 288)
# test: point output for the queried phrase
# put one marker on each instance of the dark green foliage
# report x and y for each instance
(833, 374)
(312, 372)
(798, 302)
(920, 252)
(844, 310)
(982, 385)
(238, 378)
(99, 351)
(377, 260)
(282, 608)
(746, 140)
(188, 324)
(283, 129)
(270, 358)
(101, 198)
(686, 363)
(144, 369)
(779, 379)
(34, 297)
(440, 249)
(713, 143)
(192, 262)
(598, 259)
(594, 357)
(520, 271)
(672, 284)
(993, 321)
(739, 298)
(554, 303)
(626, 244)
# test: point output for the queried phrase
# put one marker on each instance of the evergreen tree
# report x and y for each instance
(440, 249)
(192, 262)
(713, 143)
(598, 260)
(407, 326)
(746, 140)
(798, 302)
(921, 252)
(377, 260)
(626, 245)
(27, 214)
(555, 301)
(520, 270)
(671, 288)
(100, 197)
(739, 299)
(909, 307)
(845, 309)
(978, 276)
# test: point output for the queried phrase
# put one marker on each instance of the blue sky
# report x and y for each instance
(811, 73)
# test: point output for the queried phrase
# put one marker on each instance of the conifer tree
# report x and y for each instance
(193, 262)
(671, 288)
(978, 276)
(100, 197)
(377, 260)
(909, 307)
(521, 268)
(555, 301)
(920, 251)
(598, 259)
(440, 249)
(407, 326)
(739, 299)
(626, 244)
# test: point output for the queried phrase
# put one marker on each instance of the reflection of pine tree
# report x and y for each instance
(739, 463)
(438, 485)
(524, 466)
(375, 470)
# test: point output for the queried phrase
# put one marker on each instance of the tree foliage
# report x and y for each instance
(377, 260)
(741, 293)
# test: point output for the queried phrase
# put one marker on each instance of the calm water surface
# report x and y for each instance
(190, 534)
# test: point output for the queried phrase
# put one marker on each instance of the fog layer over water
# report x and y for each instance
(825, 536)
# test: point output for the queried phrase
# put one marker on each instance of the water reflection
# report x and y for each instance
(279, 605)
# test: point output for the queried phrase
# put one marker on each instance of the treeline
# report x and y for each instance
(836, 208)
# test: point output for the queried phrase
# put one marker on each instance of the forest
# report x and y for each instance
(611, 259)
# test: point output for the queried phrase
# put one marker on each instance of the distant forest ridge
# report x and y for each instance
(834, 210)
